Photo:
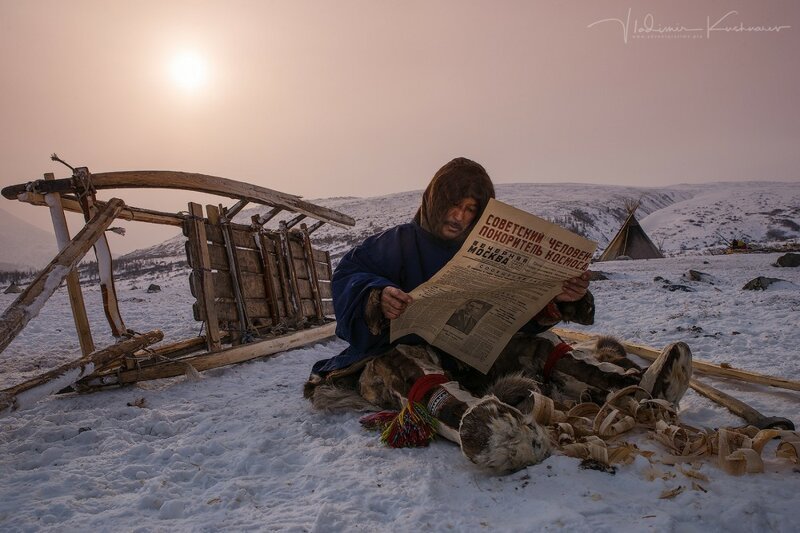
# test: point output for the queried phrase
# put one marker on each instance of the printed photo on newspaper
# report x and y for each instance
(510, 266)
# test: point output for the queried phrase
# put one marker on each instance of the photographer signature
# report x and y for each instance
(647, 26)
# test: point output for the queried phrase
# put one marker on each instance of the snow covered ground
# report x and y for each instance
(239, 449)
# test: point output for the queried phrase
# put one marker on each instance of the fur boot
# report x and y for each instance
(668, 377)
(500, 438)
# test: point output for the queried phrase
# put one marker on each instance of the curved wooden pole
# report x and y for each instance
(734, 405)
(166, 179)
(738, 407)
(704, 367)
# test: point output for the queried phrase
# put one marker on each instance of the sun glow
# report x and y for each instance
(189, 70)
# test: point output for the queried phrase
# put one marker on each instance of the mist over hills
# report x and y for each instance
(23, 245)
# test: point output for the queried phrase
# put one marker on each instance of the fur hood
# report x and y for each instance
(460, 178)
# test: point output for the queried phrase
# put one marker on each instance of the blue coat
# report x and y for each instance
(404, 257)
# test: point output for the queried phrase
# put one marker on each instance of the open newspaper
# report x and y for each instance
(509, 268)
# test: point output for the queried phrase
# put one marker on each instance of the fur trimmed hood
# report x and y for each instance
(460, 178)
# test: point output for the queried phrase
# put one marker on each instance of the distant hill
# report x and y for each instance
(23, 245)
(716, 213)
(682, 219)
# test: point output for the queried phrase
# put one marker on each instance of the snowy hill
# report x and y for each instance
(754, 211)
(683, 219)
(25, 246)
(596, 211)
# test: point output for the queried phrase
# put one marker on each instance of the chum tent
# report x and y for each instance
(631, 241)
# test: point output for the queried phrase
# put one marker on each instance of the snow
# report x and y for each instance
(240, 448)
(28, 398)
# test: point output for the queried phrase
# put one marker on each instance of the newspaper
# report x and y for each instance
(509, 268)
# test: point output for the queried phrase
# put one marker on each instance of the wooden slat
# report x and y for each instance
(76, 302)
(227, 309)
(294, 220)
(328, 265)
(311, 270)
(260, 308)
(322, 256)
(249, 260)
(242, 236)
(134, 214)
(301, 268)
(286, 290)
(205, 287)
(327, 307)
(252, 285)
(291, 271)
(233, 263)
(271, 283)
(231, 356)
(102, 252)
(235, 209)
(325, 289)
(32, 299)
(260, 220)
(314, 227)
(296, 244)
(323, 273)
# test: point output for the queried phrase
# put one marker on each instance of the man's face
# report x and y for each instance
(458, 218)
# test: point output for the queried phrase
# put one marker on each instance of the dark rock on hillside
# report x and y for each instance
(677, 287)
(672, 287)
(696, 275)
(760, 283)
(154, 288)
(788, 260)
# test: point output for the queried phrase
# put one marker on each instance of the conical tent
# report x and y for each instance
(631, 241)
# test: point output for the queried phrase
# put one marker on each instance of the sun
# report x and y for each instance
(189, 70)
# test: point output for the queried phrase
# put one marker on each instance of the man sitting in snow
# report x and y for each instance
(370, 288)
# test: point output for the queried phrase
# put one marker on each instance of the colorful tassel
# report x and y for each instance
(378, 421)
(413, 426)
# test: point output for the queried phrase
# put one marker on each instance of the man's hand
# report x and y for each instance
(394, 302)
(574, 288)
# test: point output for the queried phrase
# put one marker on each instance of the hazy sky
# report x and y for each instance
(370, 97)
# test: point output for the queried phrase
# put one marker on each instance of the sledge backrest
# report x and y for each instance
(249, 280)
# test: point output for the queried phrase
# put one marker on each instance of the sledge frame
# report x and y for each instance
(260, 291)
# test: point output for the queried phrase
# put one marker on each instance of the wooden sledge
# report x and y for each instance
(258, 291)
